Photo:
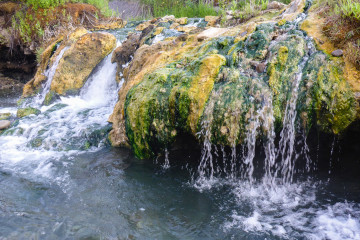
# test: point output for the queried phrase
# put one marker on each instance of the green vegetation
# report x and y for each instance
(102, 5)
(348, 8)
(180, 8)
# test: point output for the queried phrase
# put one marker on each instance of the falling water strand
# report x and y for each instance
(49, 73)
(305, 152)
(286, 144)
(250, 140)
(331, 155)
(167, 162)
(206, 166)
(269, 144)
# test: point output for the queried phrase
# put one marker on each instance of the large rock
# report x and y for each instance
(4, 124)
(219, 85)
(48, 57)
(79, 61)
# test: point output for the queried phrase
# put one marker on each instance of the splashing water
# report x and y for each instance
(66, 127)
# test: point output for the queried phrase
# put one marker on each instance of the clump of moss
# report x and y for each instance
(23, 112)
(326, 96)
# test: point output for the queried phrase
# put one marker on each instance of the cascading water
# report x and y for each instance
(58, 181)
(49, 73)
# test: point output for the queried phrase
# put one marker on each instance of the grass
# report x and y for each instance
(348, 9)
(180, 8)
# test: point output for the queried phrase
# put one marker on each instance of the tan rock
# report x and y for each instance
(4, 124)
(293, 10)
(182, 21)
(212, 20)
(158, 30)
(185, 29)
(174, 25)
(79, 61)
(48, 57)
(211, 33)
(142, 26)
(168, 18)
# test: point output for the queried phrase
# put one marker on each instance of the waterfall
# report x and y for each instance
(279, 163)
(49, 73)
(68, 126)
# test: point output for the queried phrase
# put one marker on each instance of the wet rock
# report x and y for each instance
(337, 53)
(124, 53)
(185, 29)
(168, 18)
(158, 30)
(79, 61)
(212, 20)
(182, 21)
(142, 26)
(174, 25)
(5, 116)
(211, 33)
(4, 124)
(23, 112)
(48, 57)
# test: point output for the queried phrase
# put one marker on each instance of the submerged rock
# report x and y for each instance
(23, 112)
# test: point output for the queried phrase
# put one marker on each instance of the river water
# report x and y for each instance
(59, 179)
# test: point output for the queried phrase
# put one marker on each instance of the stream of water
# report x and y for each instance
(60, 180)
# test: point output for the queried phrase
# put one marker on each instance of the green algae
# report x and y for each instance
(326, 96)
(23, 112)
(218, 100)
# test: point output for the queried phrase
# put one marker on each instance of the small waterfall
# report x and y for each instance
(67, 127)
(49, 73)
(279, 163)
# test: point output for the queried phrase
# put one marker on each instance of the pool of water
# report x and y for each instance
(107, 193)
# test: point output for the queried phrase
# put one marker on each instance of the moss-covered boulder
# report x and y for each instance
(23, 112)
(211, 86)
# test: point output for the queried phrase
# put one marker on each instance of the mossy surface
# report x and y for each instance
(5, 116)
(23, 112)
(216, 91)
(326, 96)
